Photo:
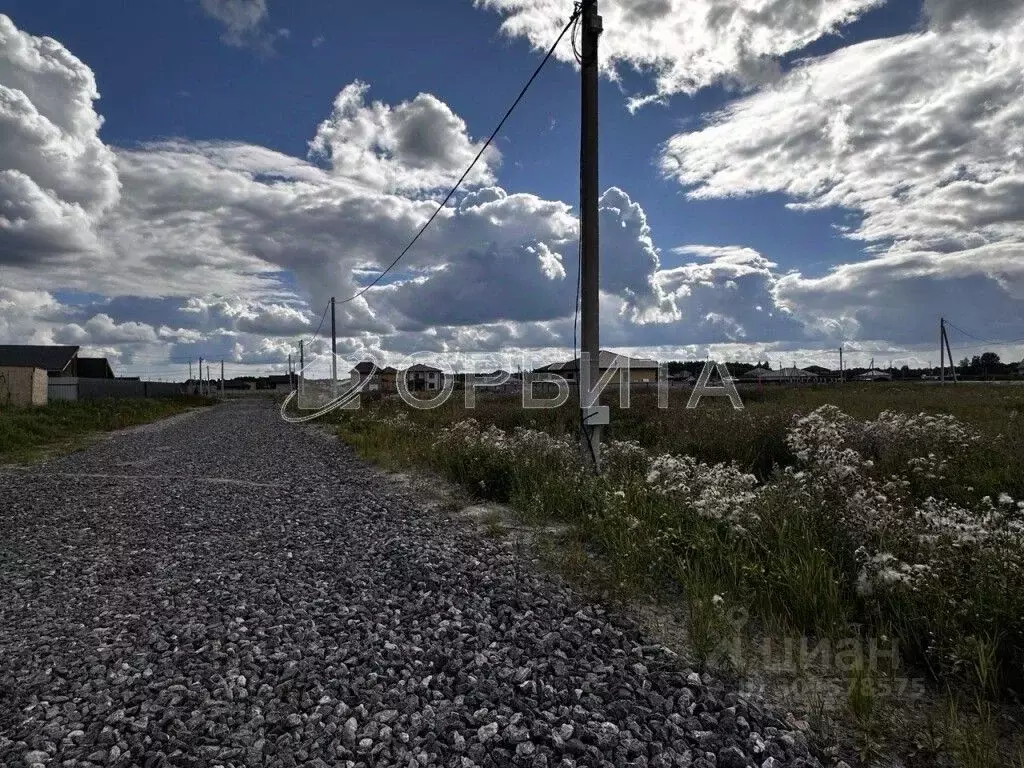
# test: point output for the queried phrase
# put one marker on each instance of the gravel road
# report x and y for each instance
(225, 589)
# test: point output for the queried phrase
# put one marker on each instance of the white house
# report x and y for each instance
(875, 375)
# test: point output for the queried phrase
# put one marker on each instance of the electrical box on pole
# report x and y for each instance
(592, 416)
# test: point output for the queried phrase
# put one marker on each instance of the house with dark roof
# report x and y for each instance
(381, 379)
(95, 368)
(781, 376)
(640, 370)
(55, 360)
(281, 382)
(422, 377)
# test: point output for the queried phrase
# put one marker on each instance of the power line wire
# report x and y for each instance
(577, 8)
(494, 133)
(967, 333)
(985, 342)
(322, 318)
(1008, 342)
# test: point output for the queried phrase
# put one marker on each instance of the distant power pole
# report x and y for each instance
(190, 370)
(302, 358)
(222, 376)
(208, 379)
(291, 375)
(334, 354)
(592, 416)
(943, 351)
(200, 375)
(842, 375)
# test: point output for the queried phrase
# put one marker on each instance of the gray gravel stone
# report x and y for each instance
(227, 589)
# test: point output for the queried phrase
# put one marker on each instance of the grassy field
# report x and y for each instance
(864, 514)
(25, 433)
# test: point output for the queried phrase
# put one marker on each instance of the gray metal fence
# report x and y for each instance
(78, 388)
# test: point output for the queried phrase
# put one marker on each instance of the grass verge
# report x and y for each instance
(27, 433)
(879, 533)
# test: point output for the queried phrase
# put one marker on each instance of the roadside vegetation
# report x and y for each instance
(25, 433)
(863, 519)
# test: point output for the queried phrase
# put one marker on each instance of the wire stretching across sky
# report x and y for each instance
(322, 317)
(985, 342)
(494, 133)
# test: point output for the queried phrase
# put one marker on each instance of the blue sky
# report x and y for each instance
(263, 75)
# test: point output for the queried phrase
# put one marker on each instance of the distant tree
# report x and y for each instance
(989, 360)
(965, 363)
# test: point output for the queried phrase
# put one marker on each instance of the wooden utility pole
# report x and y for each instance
(592, 417)
(200, 375)
(208, 379)
(334, 355)
(842, 375)
(222, 377)
(302, 360)
(190, 370)
(943, 351)
(290, 374)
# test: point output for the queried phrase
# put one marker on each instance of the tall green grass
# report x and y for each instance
(797, 569)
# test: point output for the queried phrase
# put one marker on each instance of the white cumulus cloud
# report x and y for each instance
(688, 44)
(56, 176)
(415, 145)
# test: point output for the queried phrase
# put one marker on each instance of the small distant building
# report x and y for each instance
(781, 376)
(362, 370)
(511, 381)
(755, 374)
(381, 379)
(641, 371)
(281, 382)
(422, 378)
(875, 375)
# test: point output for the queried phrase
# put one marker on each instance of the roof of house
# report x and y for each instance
(606, 360)
(367, 368)
(794, 373)
(50, 359)
(420, 367)
(782, 373)
(875, 374)
(94, 368)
